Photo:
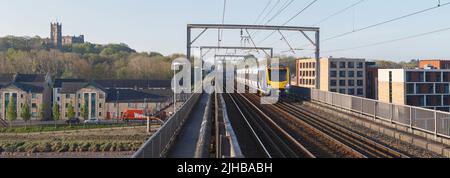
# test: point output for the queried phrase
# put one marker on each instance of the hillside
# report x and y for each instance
(90, 61)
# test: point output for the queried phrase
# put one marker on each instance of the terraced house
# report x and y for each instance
(109, 99)
(34, 89)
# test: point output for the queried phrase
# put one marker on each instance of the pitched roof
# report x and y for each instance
(130, 84)
(22, 78)
(73, 87)
(26, 87)
(67, 88)
(30, 78)
(58, 82)
(129, 95)
(6, 78)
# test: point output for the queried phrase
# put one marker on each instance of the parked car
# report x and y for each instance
(73, 121)
(92, 121)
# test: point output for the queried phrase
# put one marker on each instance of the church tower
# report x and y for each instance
(56, 35)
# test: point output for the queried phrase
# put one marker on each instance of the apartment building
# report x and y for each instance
(20, 89)
(428, 88)
(434, 64)
(343, 75)
(371, 80)
(110, 102)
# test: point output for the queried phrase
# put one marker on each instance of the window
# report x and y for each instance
(360, 74)
(100, 114)
(360, 65)
(360, 83)
(67, 96)
(67, 105)
(101, 96)
(34, 114)
(33, 105)
(410, 88)
(100, 105)
(342, 65)
(390, 87)
(342, 91)
(351, 65)
(342, 74)
(21, 96)
(79, 105)
(333, 65)
(34, 95)
(351, 83)
(360, 91)
(351, 91)
(333, 83)
(58, 99)
(342, 83)
(333, 73)
(446, 100)
(79, 96)
(351, 74)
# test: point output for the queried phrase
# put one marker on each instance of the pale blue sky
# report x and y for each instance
(160, 25)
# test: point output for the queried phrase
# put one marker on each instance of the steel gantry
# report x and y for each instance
(302, 30)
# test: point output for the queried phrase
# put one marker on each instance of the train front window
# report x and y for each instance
(282, 75)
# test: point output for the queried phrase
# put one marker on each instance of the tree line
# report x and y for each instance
(87, 60)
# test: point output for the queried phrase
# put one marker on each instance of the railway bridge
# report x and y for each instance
(305, 123)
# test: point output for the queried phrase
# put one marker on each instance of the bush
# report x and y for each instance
(85, 147)
(64, 148)
(95, 148)
(73, 147)
(107, 147)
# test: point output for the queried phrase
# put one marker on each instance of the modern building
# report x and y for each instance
(428, 88)
(34, 90)
(434, 64)
(58, 40)
(371, 80)
(343, 75)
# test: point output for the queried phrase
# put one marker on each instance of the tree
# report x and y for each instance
(11, 113)
(41, 113)
(25, 114)
(71, 111)
(56, 113)
(84, 112)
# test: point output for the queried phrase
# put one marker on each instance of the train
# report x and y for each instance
(260, 78)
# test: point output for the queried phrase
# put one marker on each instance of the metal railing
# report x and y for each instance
(430, 121)
(159, 143)
(227, 145)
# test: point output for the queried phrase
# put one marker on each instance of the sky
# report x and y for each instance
(160, 25)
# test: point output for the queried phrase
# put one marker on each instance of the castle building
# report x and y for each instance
(58, 41)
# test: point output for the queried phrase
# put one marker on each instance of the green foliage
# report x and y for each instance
(11, 112)
(56, 113)
(87, 60)
(26, 114)
(70, 111)
(84, 112)
(41, 112)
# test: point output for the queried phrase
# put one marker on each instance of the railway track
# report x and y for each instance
(270, 137)
(363, 145)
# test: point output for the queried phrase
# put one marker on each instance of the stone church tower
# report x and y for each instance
(56, 35)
